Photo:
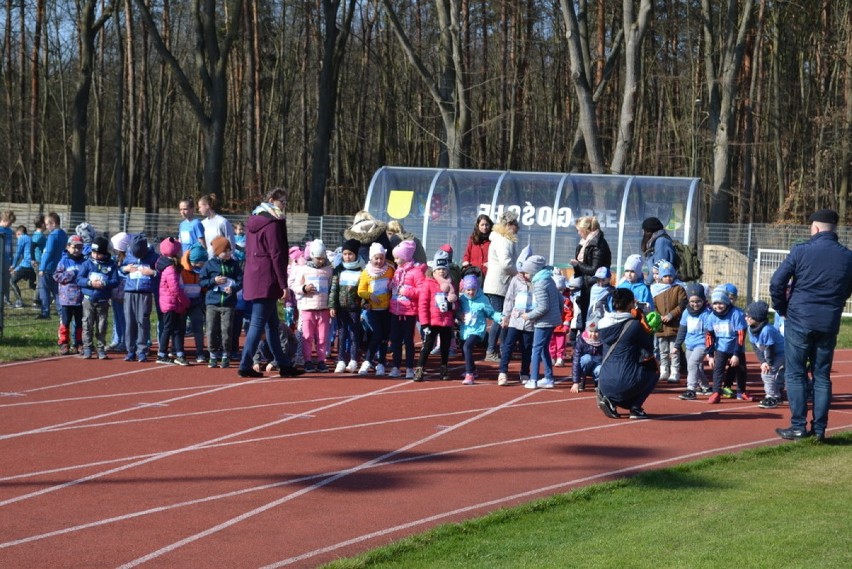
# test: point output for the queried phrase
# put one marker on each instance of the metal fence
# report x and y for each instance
(745, 255)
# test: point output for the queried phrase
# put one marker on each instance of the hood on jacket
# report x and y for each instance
(256, 223)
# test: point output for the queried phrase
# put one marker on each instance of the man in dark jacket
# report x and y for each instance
(265, 280)
(809, 289)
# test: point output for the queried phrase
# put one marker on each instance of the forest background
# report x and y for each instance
(137, 103)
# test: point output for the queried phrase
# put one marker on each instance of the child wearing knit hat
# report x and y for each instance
(192, 261)
(173, 303)
(768, 344)
(670, 301)
(691, 337)
(726, 330)
(312, 287)
(545, 315)
(222, 278)
(346, 306)
(374, 290)
(437, 300)
(403, 306)
(97, 277)
(474, 310)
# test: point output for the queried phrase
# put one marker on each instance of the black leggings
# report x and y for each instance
(446, 335)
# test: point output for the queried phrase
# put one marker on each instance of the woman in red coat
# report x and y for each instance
(476, 252)
(265, 280)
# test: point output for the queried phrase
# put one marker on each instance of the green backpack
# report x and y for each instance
(688, 263)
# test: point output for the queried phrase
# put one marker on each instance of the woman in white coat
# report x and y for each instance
(501, 268)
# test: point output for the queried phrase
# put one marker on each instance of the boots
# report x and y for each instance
(418, 374)
(444, 373)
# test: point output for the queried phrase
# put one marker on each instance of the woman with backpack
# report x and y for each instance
(657, 245)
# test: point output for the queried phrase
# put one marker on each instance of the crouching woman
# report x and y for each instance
(628, 373)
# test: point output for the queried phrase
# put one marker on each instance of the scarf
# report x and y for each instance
(375, 271)
(581, 256)
(446, 286)
(266, 207)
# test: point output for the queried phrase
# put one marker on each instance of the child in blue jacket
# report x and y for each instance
(768, 344)
(97, 277)
(70, 297)
(141, 283)
(474, 310)
(692, 336)
(725, 338)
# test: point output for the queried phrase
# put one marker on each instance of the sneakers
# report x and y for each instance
(502, 379)
(322, 368)
(212, 364)
(290, 371)
(418, 374)
(130, 357)
(530, 384)
(200, 360)
(87, 354)
(638, 413)
(688, 395)
(524, 378)
(163, 360)
(768, 403)
(492, 357)
(380, 369)
(468, 379)
(744, 396)
(224, 363)
(394, 372)
(409, 373)
(340, 367)
(181, 361)
(728, 393)
(444, 373)
(714, 398)
(310, 366)
(249, 373)
(705, 390)
(559, 362)
(352, 366)
(64, 350)
(365, 368)
(142, 358)
(545, 383)
(102, 355)
(605, 405)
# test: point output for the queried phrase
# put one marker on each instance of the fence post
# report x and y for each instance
(750, 256)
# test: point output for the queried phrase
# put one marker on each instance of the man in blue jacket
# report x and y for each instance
(809, 290)
(50, 257)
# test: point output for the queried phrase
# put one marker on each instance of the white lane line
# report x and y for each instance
(251, 513)
(177, 451)
(148, 393)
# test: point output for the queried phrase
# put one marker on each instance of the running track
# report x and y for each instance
(114, 464)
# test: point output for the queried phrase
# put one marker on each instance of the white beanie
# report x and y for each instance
(120, 241)
(377, 249)
(317, 249)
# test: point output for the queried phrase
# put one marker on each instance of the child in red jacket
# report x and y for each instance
(436, 302)
(559, 339)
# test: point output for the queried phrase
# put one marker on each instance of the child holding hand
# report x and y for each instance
(474, 310)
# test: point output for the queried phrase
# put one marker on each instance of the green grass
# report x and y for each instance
(783, 506)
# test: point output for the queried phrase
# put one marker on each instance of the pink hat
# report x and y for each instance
(404, 251)
(295, 252)
(170, 247)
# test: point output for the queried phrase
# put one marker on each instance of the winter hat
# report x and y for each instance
(351, 245)
(666, 270)
(591, 328)
(522, 256)
(377, 249)
(825, 216)
(75, 240)
(170, 247)
(603, 273)
(220, 245)
(404, 251)
(634, 263)
(731, 290)
(533, 264)
(317, 249)
(652, 224)
(559, 279)
(99, 245)
(758, 310)
(441, 260)
(470, 281)
(197, 253)
(508, 216)
(120, 241)
(449, 250)
(576, 283)
(139, 245)
(695, 289)
(295, 252)
(86, 231)
(720, 295)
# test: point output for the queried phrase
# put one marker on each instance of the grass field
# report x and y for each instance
(782, 506)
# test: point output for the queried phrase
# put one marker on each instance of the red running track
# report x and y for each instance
(115, 464)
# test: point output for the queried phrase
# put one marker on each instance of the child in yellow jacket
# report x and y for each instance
(374, 289)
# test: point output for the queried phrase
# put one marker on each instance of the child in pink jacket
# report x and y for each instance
(403, 306)
(312, 285)
(436, 308)
(173, 302)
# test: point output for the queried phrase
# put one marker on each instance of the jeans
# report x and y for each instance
(49, 289)
(589, 365)
(525, 339)
(118, 323)
(496, 334)
(349, 335)
(467, 349)
(379, 322)
(541, 353)
(402, 334)
(264, 318)
(95, 316)
(800, 347)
